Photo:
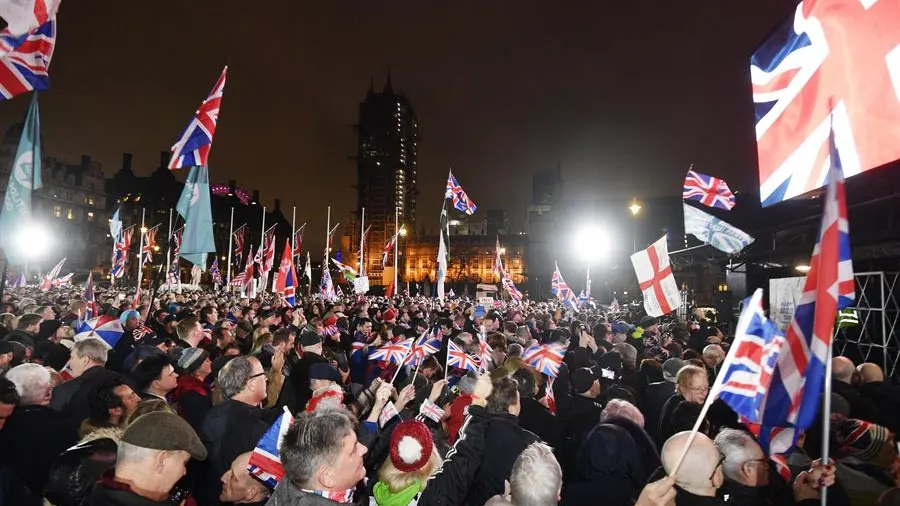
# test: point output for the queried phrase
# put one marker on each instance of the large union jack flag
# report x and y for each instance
(560, 288)
(238, 238)
(708, 190)
(458, 358)
(461, 200)
(392, 352)
(265, 461)
(800, 371)
(833, 57)
(25, 60)
(192, 149)
(545, 358)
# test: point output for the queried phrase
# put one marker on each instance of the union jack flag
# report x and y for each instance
(511, 289)
(265, 461)
(120, 252)
(708, 190)
(392, 352)
(800, 371)
(269, 254)
(142, 331)
(25, 60)
(149, 242)
(497, 268)
(545, 358)
(427, 344)
(90, 301)
(47, 282)
(192, 149)
(248, 271)
(215, 272)
(238, 280)
(458, 358)
(461, 200)
(173, 277)
(387, 250)
(23, 16)
(562, 291)
(327, 285)
(833, 57)
(63, 281)
(484, 349)
(747, 370)
(176, 238)
(238, 238)
(549, 397)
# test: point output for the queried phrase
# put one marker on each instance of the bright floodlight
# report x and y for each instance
(592, 243)
(34, 240)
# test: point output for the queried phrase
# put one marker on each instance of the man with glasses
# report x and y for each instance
(236, 425)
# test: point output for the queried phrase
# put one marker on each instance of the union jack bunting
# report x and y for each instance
(832, 57)
(800, 371)
(265, 460)
(392, 352)
(298, 241)
(545, 358)
(461, 200)
(746, 372)
(708, 190)
(238, 237)
(562, 291)
(25, 60)
(192, 149)
(149, 242)
(458, 358)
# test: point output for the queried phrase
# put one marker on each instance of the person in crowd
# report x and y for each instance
(322, 459)
(867, 459)
(692, 385)
(712, 356)
(152, 456)
(190, 333)
(222, 338)
(34, 434)
(883, 394)
(297, 392)
(843, 375)
(699, 475)
(192, 395)
(234, 426)
(131, 321)
(110, 402)
(459, 406)
(534, 416)
(155, 378)
(87, 367)
(656, 395)
(580, 415)
(239, 487)
(6, 356)
(412, 459)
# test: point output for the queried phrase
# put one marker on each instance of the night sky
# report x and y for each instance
(624, 95)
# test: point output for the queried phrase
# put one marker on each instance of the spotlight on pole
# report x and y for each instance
(34, 241)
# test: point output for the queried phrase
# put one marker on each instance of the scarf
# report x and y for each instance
(339, 496)
(385, 497)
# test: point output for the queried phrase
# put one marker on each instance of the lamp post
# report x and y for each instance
(635, 208)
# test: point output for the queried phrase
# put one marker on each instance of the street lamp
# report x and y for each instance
(635, 208)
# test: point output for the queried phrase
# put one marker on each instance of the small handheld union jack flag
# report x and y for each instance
(215, 272)
(708, 190)
(392, 352)
(427, 344)
(560, 288)
(192, 149)
(458, 358)
(461, 200)
(545, 358)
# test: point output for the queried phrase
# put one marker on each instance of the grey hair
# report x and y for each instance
(467, 383)
(128, 453)
(627, 352)
(622, 409)
(234, 376)
(737, 446)
(536, 477)
(94, 349)
(314, 440)
(32, 382)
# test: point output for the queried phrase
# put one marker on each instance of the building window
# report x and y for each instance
(57, 211)
(70, 214)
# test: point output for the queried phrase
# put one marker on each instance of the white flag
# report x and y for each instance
(715, 232)
(654, 274)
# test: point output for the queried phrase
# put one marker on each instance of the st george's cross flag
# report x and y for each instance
(192, 149)
(655, 278)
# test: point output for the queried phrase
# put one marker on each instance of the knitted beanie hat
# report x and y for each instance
(411, 446)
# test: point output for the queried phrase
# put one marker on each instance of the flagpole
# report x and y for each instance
(327, 244)
(230, 247)
(308, 268)
(362, 239)
(140, 273)
(293, 231)
(262, 244)
(396, 245)
(826, 416)
(400, 366)
(169, 248)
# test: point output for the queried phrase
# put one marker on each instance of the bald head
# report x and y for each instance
(700, 473)
(870, 373)
(842, 369)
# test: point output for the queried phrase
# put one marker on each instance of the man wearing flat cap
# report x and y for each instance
(151, 458)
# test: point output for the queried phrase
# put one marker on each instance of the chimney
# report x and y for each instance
(164, 157)
(85, 161)
(255, 196)
(126, 161)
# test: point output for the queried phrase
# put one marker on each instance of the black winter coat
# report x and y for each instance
(655, 398)
(534, 417)
(31, 439)
(577, 420)
(71, 397)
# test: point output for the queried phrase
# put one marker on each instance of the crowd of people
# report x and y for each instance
(175, 410)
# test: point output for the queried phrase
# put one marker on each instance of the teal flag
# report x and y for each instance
(195, 207)
(24, 178)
